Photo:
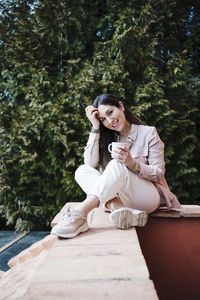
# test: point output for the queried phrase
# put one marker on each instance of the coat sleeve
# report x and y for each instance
(154, 170)
(91, 153)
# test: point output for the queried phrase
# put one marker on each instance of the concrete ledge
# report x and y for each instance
(1, 274)
(103, 263)
(33, 250)
(46, 243)
(16, 281)
(186, 211)
(94, 290)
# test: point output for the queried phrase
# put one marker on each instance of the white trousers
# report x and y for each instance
(118, 181)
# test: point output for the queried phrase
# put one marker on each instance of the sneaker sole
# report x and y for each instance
(81, 229)
(125, 218)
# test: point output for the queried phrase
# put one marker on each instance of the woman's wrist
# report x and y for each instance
(134, 166)
(131, 163)
(95, 130)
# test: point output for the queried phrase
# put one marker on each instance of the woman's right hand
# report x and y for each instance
(92, 114)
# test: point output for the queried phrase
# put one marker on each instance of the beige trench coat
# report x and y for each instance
(147, 149)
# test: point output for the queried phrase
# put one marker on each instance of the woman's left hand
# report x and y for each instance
(123, 155)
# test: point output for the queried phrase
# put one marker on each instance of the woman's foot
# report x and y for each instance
(71, 224)
(127, 217)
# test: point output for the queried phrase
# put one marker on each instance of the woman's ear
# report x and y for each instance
(121, 106)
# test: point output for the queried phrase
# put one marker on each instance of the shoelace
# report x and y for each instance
(69, 216)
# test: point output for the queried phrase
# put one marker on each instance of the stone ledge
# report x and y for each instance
(190, 211)
(16, 281)
(1, 274)
(33, 251)
(102, 263)
(186, 211)
(137, 290)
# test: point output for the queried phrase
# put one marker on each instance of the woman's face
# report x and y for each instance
(113, 117)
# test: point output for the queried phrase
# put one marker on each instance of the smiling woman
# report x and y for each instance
(129, 182)
(114, 118)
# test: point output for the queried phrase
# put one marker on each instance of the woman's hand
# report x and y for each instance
(123, 155)
(93, 116)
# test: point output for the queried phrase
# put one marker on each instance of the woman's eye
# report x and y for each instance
(110, 112)
(102, 119)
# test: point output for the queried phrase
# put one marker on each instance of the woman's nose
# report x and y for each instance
(109, 120)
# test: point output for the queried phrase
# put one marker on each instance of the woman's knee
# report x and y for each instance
(115, 165)
(154, 204)
(84, 171)
(79, 172)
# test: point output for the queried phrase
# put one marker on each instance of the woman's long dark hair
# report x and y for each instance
(108, 136)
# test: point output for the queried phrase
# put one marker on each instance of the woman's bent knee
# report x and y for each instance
(153, 201)
(79, 172)
(83, 172)
(154, 204)
(116, 167)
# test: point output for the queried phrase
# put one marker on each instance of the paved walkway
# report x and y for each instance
(103, 263)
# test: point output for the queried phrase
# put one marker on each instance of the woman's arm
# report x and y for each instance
(91, 153)
(154, 170)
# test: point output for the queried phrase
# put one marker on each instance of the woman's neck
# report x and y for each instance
(126, 130)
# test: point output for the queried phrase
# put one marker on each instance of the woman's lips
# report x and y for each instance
(115, 124)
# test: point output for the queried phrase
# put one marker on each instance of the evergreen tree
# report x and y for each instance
(56, 57)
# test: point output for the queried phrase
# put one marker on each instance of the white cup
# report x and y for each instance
(116, 145)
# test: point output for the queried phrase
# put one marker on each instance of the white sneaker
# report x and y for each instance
(71, 224)
(127, 217)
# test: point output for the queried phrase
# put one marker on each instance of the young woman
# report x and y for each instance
(130, 183)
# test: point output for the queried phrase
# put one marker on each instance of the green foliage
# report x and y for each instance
(56, 57)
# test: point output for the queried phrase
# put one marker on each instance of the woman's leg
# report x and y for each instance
(87, 205)
(133, 191)
(117, 180)
(139, 196)
(113, 204)
(86, 177)
(100, 188)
